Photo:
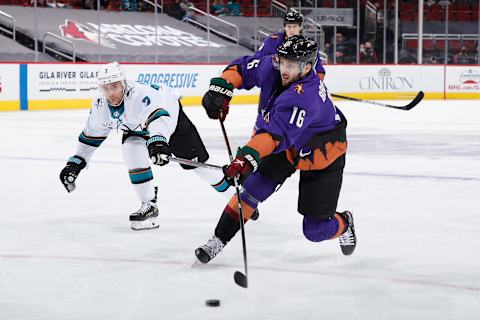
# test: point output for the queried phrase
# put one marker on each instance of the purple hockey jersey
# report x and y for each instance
(291, 115)
(271, 44)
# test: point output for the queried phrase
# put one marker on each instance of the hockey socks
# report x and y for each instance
(142, 181)
(229, 222)
(213, 178)
(317, 230)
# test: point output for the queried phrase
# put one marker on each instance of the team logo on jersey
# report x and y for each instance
(113, 124)
(299, 88)
(274, 36)
(129, 91)
(265, 116)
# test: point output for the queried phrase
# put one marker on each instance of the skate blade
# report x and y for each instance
(148, 224)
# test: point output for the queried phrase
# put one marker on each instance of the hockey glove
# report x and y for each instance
(70, 173)
(242, 166)
(158, 150)
(216, 100)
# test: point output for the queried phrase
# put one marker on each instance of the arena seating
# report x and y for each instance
(434, 44)
(125, 37)
(13, 51)
(436, 12)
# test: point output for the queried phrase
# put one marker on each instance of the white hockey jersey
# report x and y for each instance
(145, 111)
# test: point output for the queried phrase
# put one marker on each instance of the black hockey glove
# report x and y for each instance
(242, 166)
(216, 100)
(70, 173)
(158, 150)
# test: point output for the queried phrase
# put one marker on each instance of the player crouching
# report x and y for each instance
(154, 127)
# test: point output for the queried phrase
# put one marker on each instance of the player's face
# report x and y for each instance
(290, 71)
(292, 29)
(113, 92)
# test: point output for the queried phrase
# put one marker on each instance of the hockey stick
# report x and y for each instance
(189, 162)
(409, 106)
(195, 163)
(240, 278)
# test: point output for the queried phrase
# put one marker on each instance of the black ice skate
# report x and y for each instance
(208, 251)
(145, 217)
(348, 240)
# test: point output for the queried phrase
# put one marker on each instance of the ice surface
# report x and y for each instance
(412, 181)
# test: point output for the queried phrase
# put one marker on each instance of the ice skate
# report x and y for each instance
(348, 240)
(208, 251)
(145, 217)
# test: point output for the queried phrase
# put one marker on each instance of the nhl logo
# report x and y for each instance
(116, 114)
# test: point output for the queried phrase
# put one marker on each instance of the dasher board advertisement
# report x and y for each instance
(462, 82)
(9, 87)
(60, 86)
(385, 81)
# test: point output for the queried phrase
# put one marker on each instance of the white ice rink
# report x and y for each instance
(412, 181)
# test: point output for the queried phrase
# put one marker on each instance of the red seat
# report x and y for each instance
(406, 16)
(461, 7)
(412, 44)
(436, 7)
(440, 44)
(408, 7)
(342, 4)
(463, 16)
(434, 16)
(327, 3)
(470, 44)
(428, 44)
(454, 45)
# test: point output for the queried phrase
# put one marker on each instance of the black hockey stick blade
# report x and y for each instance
(414, 102)
(240, 279)
(409, 106)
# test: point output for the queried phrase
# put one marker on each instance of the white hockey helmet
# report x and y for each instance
(110, 73)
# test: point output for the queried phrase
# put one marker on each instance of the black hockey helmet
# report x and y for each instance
(299, 48)
(293, 17)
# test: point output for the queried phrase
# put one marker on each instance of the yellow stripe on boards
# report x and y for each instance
(463, 95)
(239, 99)
(59, 104)
(10, 105)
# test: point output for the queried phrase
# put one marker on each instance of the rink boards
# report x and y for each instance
(47, 86)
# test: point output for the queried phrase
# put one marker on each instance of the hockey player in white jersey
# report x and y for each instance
(154, 126)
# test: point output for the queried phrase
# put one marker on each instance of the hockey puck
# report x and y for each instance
(212, 303)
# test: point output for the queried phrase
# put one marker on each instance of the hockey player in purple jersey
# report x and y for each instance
(298, 128)
(292, 25)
